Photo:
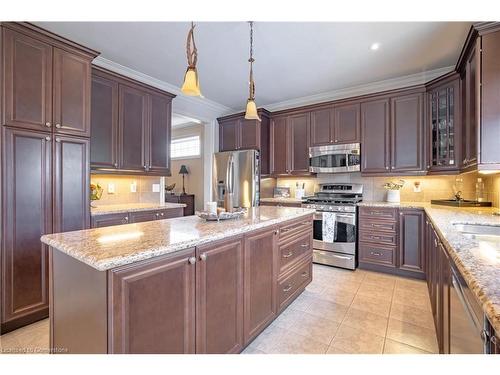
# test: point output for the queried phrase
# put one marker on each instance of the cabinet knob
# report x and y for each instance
(428, 166)
(203, 257)
(126, 218)
(336, 140)
(276, 232)
(58, 126)
(47, 138)
(157, 214)
(48, 124)
(392, 167)
(115, 165)
(58, 139)
(192, 260)
(386, 167)
(162, 214)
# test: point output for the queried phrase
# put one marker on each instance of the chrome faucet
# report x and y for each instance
(458, 195)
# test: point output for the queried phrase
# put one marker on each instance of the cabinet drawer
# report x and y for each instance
(170, 213)
(377, 225)
(378, 237)
(295, 249)
(291, 285)
(289, 230)
(378, 212)
(377, 254)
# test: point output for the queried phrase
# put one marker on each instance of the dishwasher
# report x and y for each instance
(468, 326)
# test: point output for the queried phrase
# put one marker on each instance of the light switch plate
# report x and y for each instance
(111, 188)
(133, 187)
(156, 188)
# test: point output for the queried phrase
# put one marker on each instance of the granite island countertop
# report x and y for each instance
(281, 200)
(478, 261)
(132, 207)
(110, 247)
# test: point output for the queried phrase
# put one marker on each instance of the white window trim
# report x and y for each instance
(189, 156)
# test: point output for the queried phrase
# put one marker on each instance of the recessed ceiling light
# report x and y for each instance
(375, 46)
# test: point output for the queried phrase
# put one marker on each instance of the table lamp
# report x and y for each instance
(183, 172)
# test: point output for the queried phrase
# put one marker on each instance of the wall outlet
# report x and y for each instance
(111, 188)
(133, 187)
(417, 188)
(156, 188)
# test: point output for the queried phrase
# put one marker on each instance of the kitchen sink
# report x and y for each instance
(460, 203)
(483, 231)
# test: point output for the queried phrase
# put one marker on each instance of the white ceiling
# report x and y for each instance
(293, 59)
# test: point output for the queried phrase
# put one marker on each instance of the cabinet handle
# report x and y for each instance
(386, 167)
(376, 253)
(162, 214)
(435, 242)
(428, 167)
(47, 138)
(58, 126)
(493, 340)
(288, 255)
(203, 257)
(145, 167)
(115, 165)
(304, 274)
(192, 260)
(392, 167)
(58, 139)
(336, 140)
(284, 230)
(48, 124)
(126, 218)
(287, 288)
(276, 232)
(157, 214)
(304, 245)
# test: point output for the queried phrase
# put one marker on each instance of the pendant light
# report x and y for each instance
(251, 111)
(191, 85)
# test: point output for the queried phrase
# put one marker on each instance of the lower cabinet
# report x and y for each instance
(412, 240)
(107, 220)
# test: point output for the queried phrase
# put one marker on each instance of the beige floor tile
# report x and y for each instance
(413, 335)
(356, 276)
(333, 350)
(366, 321)
(314, 327)
(252, 350)
(414, 286)
(315, 287)
(357, 341)
(374, 305)
(413, 315)
(375, 291)
(343, 286)
(269, 338)
(408, 298)
(328, 310)
(381, 280)
(302, 302)
(337, 295)
(293, 343)
(33, 338)
(394, 347)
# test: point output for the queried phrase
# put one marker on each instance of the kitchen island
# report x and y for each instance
(179, 285)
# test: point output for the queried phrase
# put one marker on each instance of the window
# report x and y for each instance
(187, 147)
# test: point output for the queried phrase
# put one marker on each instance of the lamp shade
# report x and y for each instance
(191, 86)
(251, 112)
(183, 170)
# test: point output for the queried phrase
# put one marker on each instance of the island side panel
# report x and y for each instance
(78, 306)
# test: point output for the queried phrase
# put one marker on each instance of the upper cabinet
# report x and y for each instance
(237, 133)
(335, 124)
(131, 126)
(46, 82)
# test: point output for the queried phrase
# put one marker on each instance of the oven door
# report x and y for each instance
(344, 239)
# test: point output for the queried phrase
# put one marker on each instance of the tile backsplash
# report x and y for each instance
(432, 187)
(144, 191)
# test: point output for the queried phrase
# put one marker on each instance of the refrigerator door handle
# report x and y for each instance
(229, 175)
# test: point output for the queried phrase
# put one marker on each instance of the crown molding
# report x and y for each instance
(370, 88)
(199, 108)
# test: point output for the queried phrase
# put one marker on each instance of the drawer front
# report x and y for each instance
(295, 249)
(290, 285)
(378, 212)
(170, 213)
(377, 254)
(289, 230)
(377, 225)
(382, 238)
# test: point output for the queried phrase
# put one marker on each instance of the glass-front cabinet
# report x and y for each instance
(444, 126)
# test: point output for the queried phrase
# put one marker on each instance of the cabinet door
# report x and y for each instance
(71, 184)
(411, 240)
(72, 82)
(26, 215)
(142, 216)
(299, 143)
(321, 127)
(27, 89)
(219, 297)
(132, 128)
(104, 123)
(228, 135)
(249, 135)
(471, 92)
(407, 141)
(108, 220)
(260, 281)
(153, 306)
(159, 135)
(375, 136)
(279, 146)
(445, 281)
(346, 120)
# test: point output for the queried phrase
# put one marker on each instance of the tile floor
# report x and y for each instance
(341, 311)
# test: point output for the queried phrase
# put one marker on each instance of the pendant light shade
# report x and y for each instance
(191, 85)
(251, 110)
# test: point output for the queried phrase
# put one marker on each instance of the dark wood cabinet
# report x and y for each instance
(347, 123)
(375, 136)
(142, 216)
(322, 128)
(146, 315)
(104, 122)
(158, 149)
(71, 183)
(107, 220)
(279, 146)
(472, 81)
(260, 281)
(187, 199)
(412, 240)
(229, 134)
(219, 297)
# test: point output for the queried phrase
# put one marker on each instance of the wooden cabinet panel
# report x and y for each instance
(293, 283)
(377, 254)
(133, 107)
(27, 89)
(299, 143)
(346, 120)
(407, 151)
(26, 216)
(108, 220)
(104, 123)
(153, 306)
(71, 184)
(322, 127)
(228, 135)
(445, 281)
(249, 135)
(279, 146)
(142, 216)
(219, 297)
(260, 280)
(379, 213)
(294, 250)
(72, 84)
(411, 240)
(375, 136)
(159, 135)
(471, 123)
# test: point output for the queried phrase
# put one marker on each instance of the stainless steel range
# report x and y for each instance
(335, 221)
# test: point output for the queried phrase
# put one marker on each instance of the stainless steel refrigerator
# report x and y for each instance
(237, 175)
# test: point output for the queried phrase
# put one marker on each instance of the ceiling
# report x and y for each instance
(293, 59)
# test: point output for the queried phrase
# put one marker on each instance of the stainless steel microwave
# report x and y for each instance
(335, 158)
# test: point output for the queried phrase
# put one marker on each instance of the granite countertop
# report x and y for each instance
(281, 200)
(110, 247)
(131, 207)
(477, 260)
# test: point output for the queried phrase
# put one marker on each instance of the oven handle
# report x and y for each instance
(343, 257)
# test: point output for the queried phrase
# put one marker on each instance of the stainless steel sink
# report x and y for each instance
(482, 231)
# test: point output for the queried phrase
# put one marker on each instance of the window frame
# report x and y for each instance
(186, 137)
